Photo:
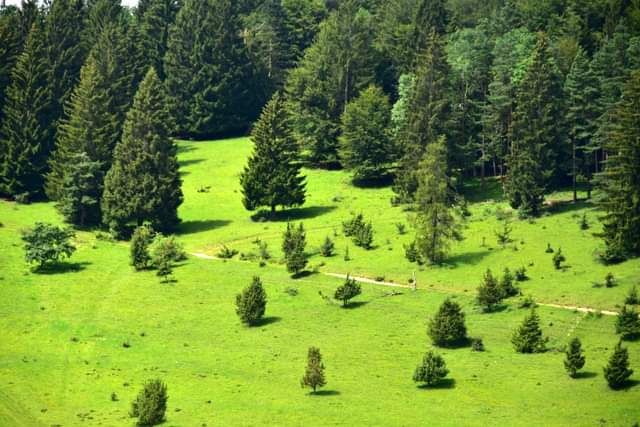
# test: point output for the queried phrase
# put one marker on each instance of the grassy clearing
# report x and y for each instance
(62, 353)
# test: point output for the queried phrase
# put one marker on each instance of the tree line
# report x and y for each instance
(543, 95)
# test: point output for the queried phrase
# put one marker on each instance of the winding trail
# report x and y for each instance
(361, 279)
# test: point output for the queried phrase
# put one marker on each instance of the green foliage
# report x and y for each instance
(437, 221)
(10, 48)
(154, 24)
(431, 371)
(617, 371)
(293, 245)
(165, 251)
(251, 303)
(366, 148)
(628, 323)
(272, 175)
(226, 253)
(489, 294)
(521, 274)
(79, 202)
(327, 248)
(527, 338)
(477, 344)
(314, 372)
(411, 252)
(574, 357)
(506, 284)
(47, 244)
(346, 292)
(447, 327)
(360, 231)
(151, 404)
(144, 182)
(558, 259)
(632, 297)
(584, 223)
(609, 280)
(139, 250)
(503, 234)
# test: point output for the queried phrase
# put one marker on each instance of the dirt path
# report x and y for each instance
(442, 290)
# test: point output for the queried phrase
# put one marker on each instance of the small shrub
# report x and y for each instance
(411, 252)
(489, 293)
(477, 344)
(291, 291)
(360, 231)
(558, 259)
(293, 245)
(346, 254)
(140, 242)
(226, 253)
(574, 358)
(263, 250)
(22, 198)
(150, 404)
(528, 338)
(432, 370)
(609, 280)
(628, 323)
(251, 303)
(584, 224)
(173, 249)
(350, 227)
(503, 235)
(401, 228)
(506, 284)
(327, 248)
(47, 244)
(314, 372)
(521, 274)
(527, 302)
(617, 371)
(349, 290)
(549, 249)
(632, 298)
(114, 397)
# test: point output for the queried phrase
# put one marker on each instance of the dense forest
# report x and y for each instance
(427, 94)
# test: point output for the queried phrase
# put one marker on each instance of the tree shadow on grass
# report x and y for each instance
(444, 384)
(585, 375)
(189, 162)
(471, 258)
(191, 227)
(295, 214)
(355, 304)
(325, 393)
(557, 207)
(267, 321)
(61, 268)
(303, 274)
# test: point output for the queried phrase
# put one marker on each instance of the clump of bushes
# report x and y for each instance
(139, 251)
(506, 284)
(360, 231)
(521, 274)
(151, 404)
(411, 252)
(226, 253)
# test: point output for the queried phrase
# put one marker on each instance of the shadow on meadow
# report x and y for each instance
(355, 304)
(468, 258)
(197, 226)
(444, 384)
(585, 375)
(267, 321)
(295, 214)
(61, 268)
(185, 163)
(321, 393)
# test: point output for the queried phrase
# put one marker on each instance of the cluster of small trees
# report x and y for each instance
(151, 249)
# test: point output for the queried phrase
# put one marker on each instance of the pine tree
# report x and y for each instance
(580, 89)
(272, 175)
(80, 201)
(366, 148)
(537, 150)
(150, 404)
(620, 198)
(437, 223)
(617, 371)
(155, 20)
(25, 136)
(432, 369)
(447, 327)
(575, 359)
(251, 303)
(100, 15)
(489, 293)
(144, 182)
(628, 323)
(10, 49)
(209, 77)
(293, 245)
(431, 18)
(429, 113)
(140, 242)
(314, 372)
(346, 292)
(528, 337)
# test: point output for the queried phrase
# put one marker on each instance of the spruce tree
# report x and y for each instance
(151, 404)
(144, 183)
(10, 49)
(26, 133)
(80, 201)
(314, 372)
(366, 148)
(628, 323)
(617, 371)
(347, 291)
(537, 151)
(155, 20)
(251, 303)
(527, 338)
(431, 371)
(447, 327)
(272, 175)
(431, 18)
(489, 293)
(209, 77)
(293, 245)
(437, 222)
(574, 357)
(620, 199)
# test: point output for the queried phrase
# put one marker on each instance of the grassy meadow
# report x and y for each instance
(63, 362)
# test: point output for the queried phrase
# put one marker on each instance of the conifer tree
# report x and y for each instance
(140, 242)
(314, 372)
(293, 245)
(156, 17)
(80, 201)
(431, 18)
(10, 49)
(25, 136)
(628, 323)
(100, 15)
(209, 76)
(144, 183)
(528, 337)
(620, 198)
(428, 116)
(580, 89)
(437, 222)
(447, 327)
(432, 369)
(365, 144)
(574, 357)
(347, 291)
(617, 371)
(251, 303)
(537, 150)
(150, 404)
(489, 293)
(272, 175)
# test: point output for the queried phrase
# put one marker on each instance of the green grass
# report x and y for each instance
(61, 353)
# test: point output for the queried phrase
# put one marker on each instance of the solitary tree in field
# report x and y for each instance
(140, 242)
(628, 323)
(432, 369)
(251, 303)
(528, 337)
(574, 357)
(47, 244)
(151, 404)
(617, 371)
(489, 293)
(447, 328)
(314, 373)
(144, 182)
(272, 175)
(349, 290)
(437, 222)
(293, 245)
(366, 148)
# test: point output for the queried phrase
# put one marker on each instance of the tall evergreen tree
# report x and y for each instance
(293, 245)
(574, 360)
(314, 372)
(144, 182)
(366, 147)
(80, 201)
(10, 49)
(447, 328)
(25, 136)
(617, 371)
(528, 337)
(537, 152)
(100, 15)
(155, 19)
(619, 182)
(580, 89)
(431, 17)
(209, 76)
(428, 118)
(272, 175)
(437, 223)
(301, 24)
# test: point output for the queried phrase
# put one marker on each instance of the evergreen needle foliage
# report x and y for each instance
(314, 372)
(140, 241)
(489, 294)
(151, 404)
(447, 328)
(528, 338)
(346, 292)
(432, 369)
(628, 323)
(617, 371)
(293, 245)
(574, 357)
(251, 303)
